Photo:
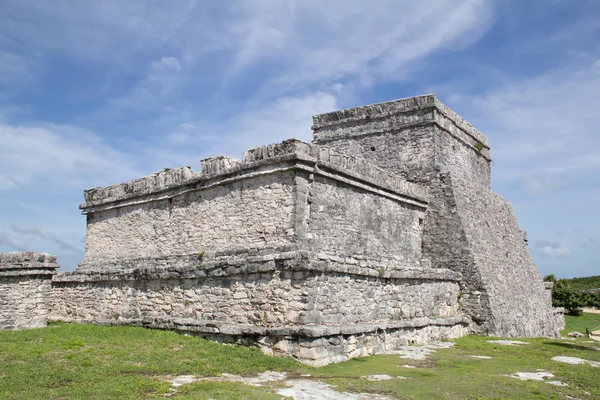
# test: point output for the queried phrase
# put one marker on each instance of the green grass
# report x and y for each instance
(453, 374)
(88, 361)
(65, 361)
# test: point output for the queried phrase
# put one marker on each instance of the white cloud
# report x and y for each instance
(167, 62)
(298, 40)
(550, 249)
(258, 124)
(540, 184)
(157, 91)
(13, 242)
(43, 233)
(543, 131)
(58, 157)
(316, 41)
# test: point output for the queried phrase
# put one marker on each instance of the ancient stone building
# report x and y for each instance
(383, 231)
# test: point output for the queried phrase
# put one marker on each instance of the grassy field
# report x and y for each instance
(66, 361)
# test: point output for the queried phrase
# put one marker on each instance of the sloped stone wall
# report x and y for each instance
(25, 289)
(467, 228)
(518, 305)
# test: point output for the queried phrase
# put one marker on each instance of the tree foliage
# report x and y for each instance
(572, 299)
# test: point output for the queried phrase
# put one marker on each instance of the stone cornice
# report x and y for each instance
(306, 331)
(27, 264)
(195, 266)
(288, 155)
(367, 114)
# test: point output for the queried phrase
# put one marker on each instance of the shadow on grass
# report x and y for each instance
(572, 346)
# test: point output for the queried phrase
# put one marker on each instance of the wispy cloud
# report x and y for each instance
(320, 41)
(260, 123)
(16, 70)
(328, 38)
(13, 242)
(59, 156)
(541, 183)
(43, 233)
(551, 249)
(543, 130)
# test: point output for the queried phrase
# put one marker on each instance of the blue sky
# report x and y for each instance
(99, 92)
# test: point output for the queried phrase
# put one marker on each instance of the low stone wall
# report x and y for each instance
(25, 289)
(285, 289)
(286, 303)
(319, 345)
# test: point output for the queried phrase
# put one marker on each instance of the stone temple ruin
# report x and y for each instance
(381, 232)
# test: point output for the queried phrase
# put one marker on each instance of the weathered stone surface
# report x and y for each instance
(279, 195)
(382, 232)
(25, 289)
(297, 296)
(467, 227)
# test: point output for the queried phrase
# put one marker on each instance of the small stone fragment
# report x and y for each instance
(557, 383)
(531, 376)
(575, 361)
(381, 377)
(507, 342)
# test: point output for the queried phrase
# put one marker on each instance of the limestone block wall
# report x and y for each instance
(317, 308)
(467, 227)
(460, 155)
(253, 212)
(279, 197)
(408, 137)
(517, 301)
(298, 291)
(25, 289)
(352, 222)
(382, 147)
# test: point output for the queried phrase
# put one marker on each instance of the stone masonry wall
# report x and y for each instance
(514, 290)
(467, 227)
(249, 213)
(271, 298)
(414, 162)
(296, 303)
(367, 227)
(278, 198)
(407, 137)
(25, 289)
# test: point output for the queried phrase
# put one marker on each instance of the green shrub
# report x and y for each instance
(563, 296)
